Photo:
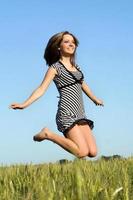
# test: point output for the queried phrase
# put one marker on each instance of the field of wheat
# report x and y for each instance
(76, 180)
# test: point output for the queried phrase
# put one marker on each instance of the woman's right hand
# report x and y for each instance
(17, 106)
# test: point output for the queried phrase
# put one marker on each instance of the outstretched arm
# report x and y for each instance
(89, 93)
(36, 94)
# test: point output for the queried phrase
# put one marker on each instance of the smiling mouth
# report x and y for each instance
(70, 49)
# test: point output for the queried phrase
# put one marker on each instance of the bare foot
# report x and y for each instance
(42, 135)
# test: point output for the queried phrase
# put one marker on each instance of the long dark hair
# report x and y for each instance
(52, 54)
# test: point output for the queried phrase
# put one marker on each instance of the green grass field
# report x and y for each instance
(77, 180)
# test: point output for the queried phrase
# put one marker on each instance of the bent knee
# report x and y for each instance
(82, 153)
(93, 153)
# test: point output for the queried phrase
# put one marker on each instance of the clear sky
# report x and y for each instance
(104, 29)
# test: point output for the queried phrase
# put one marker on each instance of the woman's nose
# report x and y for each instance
(71, 44)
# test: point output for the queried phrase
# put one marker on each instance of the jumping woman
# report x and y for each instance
(70, 118)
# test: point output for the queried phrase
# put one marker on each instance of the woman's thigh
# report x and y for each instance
(76, 135)
(89, 138)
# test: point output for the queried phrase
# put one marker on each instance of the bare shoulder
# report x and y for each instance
(84, 85)
(52, 70)
(57, 68)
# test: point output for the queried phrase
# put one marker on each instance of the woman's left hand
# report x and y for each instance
(98, 102)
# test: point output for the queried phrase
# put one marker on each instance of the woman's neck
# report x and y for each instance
(66, 60)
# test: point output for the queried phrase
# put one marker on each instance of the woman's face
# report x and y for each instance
(67, 45)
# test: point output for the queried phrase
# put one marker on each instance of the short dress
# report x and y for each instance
(70, 106)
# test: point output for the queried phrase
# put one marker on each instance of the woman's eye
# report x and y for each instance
(66, 41)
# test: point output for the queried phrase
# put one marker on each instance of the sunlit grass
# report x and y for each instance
(77, 180)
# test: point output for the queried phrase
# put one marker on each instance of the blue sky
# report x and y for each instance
(104, 29)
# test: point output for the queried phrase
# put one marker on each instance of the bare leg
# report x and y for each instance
(75, 134)
(65, 143)
(74, 143)
(89, 137)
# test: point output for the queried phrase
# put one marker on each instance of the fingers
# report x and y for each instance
(102, 104)
(99, 104)
(15, 106)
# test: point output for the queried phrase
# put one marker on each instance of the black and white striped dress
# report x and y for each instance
(70, 106)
